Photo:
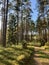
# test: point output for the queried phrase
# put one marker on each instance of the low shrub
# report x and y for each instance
(47, 44)
(38, 44)
(24, 44)
(42, 41)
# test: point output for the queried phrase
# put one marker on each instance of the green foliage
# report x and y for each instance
(42, 54)
(47, 44)
(37, 44)
(24, 44)
(14, 55)
(32, 25)
(12, 29)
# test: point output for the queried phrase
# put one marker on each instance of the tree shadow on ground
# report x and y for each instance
(4, 61)
(29, 61)
(42, 55)
(32, 61)
(8, 56)
(44, 63)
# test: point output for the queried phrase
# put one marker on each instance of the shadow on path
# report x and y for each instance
(35, 58)
(29, 61)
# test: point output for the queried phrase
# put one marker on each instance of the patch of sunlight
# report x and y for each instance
(20, 57)
(1, 56)
(31, 43)
(1, 50)
(43, 47)
(46, 46)
(13, 62)
(38, 55)
(9, 49)
(1, 63)
(30, 46)
(26, 54)
(17, 46)
(12, 55)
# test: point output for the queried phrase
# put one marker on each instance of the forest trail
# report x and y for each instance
(41, 56)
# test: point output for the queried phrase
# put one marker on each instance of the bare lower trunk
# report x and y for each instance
(5, 23)
(31, 35)
(17, 27)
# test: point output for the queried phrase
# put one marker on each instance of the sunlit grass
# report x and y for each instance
(45, 47)
(14, 54)
(42, 55)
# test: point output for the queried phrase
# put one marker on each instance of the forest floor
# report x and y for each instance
(16, 55)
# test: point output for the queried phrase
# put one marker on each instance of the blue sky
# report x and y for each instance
(34, 9)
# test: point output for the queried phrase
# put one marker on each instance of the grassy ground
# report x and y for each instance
(15, 55)
(34, 43)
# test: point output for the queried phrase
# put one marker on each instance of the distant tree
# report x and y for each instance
(28, 10)
(39, 27)
(17, 10)
(32, 28)
(42, 9)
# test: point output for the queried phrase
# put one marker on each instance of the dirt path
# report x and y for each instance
(41, 56)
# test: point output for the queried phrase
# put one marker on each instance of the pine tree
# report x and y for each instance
(12, 29)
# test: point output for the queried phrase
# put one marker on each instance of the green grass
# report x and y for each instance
(14, 55)
(47, 48)
(42, 55)
(34, 43)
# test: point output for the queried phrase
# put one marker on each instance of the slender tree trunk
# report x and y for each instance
(26, 31)
(17, 28)
(31, 35)
(45, 35)
(22, 23)
(31, 32)
(2, 26)
(4, 44)
(5, 23)
(17, 24)
(48, 27)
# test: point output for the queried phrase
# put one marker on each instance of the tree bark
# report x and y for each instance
(5, 23)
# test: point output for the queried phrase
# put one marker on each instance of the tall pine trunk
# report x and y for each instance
(22, 23)
(17, 28)
(17, 24)
(5, 23)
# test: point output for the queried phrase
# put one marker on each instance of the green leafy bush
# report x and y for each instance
(47, 44)
(24, 44)
(42, 41)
